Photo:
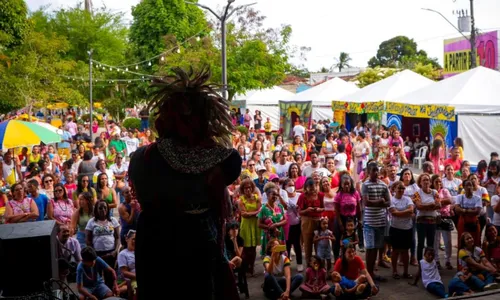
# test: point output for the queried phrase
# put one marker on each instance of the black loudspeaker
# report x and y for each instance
(29, 257)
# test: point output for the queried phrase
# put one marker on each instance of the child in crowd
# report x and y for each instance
(349, 236)
(491, 245)
(458, 284)
(89, 280)
(322, 238)
(427, 269)
(315, 285)
(349, 286)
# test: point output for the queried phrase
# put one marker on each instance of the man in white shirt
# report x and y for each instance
(283, 165)
(299, 130)
(315, 166)
(132, 143)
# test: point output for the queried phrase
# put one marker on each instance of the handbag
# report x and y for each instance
(446, 224)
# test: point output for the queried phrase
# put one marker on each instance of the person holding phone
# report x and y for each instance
(278, 281)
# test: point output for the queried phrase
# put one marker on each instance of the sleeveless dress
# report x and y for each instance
(184, 202)
(272, 216)
(63, 210)
(22, 207)
(82, 223)
(249, 228)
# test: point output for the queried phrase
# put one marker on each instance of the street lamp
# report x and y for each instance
(472, 39)
(223, 18)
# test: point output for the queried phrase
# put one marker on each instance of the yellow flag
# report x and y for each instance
(11, 179)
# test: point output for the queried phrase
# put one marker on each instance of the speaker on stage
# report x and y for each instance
(29, 257)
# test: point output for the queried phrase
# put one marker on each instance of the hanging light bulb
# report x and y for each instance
(163, 58)
(111, 69)
(136, 67)
(149, 64)
(129, 81)
(197, 38)
(126, 69)
(178, 50)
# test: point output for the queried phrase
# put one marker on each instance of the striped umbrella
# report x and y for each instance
(14, 133)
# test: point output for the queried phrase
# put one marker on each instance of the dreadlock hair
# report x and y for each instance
(188, 108)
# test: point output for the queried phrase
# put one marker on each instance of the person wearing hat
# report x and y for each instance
(261, 181)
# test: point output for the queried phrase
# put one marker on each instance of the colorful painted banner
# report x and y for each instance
(443, 130)
(374, 118)
(394, 122)
(339, 116)
(292, 111)
(374, 107)
(457, 53)
(439, 112)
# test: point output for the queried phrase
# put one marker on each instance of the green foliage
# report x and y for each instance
(257, 57)
(33, 75)
(242, 129)
(115, 107)
(372, 75)
(155, 19)
(399, 51)
(343, 61)
(428, 71)
(134, 123)
(86, 118)
(13, 22)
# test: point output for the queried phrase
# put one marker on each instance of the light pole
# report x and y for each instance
(223, 18)
(472, 39)
(90, 93)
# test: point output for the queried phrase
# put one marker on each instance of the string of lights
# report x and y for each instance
(162, 55)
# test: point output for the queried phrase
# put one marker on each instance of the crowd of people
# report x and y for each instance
(329, 193)
(318, 197)
(83, 187)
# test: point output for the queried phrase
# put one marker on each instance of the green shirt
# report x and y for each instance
(119, 145)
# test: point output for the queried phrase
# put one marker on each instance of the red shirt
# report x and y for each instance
(353, 267)
(335, 181)
(303, 203)
(455, 163)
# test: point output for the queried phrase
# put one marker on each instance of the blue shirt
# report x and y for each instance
(41, 202)
(91, 277)
(259, 185)
(67, 137)
(347, 283)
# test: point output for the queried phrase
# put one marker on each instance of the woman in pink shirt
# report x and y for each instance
(445, 227)
(437, 156)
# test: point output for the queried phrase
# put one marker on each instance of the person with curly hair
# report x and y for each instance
(182, 179)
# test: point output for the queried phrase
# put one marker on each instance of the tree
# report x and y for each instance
(343, 61)
(372, 75)
(324, 70)
(257, 57)
(397, 51)
(34, 74)
(428, 71)
(155, 19)
(13, 22)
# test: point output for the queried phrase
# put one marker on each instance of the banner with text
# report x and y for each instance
(457, 53)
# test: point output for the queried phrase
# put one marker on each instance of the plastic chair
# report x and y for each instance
(420, 158)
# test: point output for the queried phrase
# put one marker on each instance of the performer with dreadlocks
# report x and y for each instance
(185, 174)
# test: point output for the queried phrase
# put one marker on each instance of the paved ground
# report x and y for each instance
(391, 290)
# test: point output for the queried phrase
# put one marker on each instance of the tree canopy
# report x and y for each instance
(13, 22)
(399, 52)
(343, 61)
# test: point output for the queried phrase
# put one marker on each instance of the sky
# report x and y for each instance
(353, 26)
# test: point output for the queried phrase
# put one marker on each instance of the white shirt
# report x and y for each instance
(430, 272)
(282, 170)
(496, 216)
(132, 144)
(402, 204)
(299, 130)
(119, 170)
(111, 177)
(308, 171)
(424, 200)
(283, 195)
(341, 161)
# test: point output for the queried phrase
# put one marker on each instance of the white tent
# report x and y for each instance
(323, 94)
(267, 102)
(474, 94)
(474, 91)
(389, 88)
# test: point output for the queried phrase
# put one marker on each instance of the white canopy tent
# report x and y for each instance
(267, 102)
(474, 94)
(323, 94)
(389, 88)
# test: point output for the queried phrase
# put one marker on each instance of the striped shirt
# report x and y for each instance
(375, 216)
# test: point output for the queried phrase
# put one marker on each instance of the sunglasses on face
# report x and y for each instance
(47, 181)
(58, 191)
(252, 165)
